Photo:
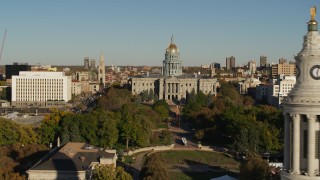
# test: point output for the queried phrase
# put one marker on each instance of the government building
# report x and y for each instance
(172, 84)
(32, 88)
(302, 112)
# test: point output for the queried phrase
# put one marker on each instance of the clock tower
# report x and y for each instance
(302, 111)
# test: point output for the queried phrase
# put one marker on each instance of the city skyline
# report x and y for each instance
(137, 33)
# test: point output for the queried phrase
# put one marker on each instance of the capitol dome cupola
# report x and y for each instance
(172, 65)
(172, 47)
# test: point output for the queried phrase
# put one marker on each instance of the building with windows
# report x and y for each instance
(301, 111)
(93, 64)
(263, 62)
(71, 161)
(279, 89)
(230, 62)
(252, 65)
(86, 63)
(40, 89)
(172, 84)
(287, 69)
(14, 69)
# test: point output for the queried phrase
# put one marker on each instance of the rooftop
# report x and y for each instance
(72, 157)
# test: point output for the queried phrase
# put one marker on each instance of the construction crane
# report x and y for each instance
(4, 38)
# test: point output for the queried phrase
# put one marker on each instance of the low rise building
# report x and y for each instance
(248, 83)
(71, 161)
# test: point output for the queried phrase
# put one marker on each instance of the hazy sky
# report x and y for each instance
(136, 32)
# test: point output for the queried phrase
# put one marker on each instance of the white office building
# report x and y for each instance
(280, 89)
(40, 89)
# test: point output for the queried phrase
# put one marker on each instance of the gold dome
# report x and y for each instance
(172, 47)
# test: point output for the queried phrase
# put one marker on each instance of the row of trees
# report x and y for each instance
(234, 121)
(118, 119)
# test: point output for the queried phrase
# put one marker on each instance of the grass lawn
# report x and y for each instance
(198, 175)
(162, 125)
(209, 158)
(212, 164)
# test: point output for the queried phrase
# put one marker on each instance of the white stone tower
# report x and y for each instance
(172, 66)
(302, 111)
(102, 71)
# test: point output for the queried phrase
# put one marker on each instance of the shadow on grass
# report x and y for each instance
(197, 170)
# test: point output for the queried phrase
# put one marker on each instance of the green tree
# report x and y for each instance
(154, 168)
(136, 124)
(162, 111)
(254, 168)
(49, 127)
(69, 126)
(11, 133)
(8, 132)
(151, 95)
(108, 132)
(108, 172)
(162, 103)
(88, 126)
(114, 99)
(144, 95)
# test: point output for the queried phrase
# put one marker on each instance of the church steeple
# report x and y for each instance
(102, 71)
(101, 58)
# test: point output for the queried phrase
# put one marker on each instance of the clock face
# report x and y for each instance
(297, 71)
(315, 72)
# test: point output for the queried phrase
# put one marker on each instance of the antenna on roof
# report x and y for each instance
(172, 38)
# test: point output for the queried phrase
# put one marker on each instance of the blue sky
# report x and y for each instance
(136, 32)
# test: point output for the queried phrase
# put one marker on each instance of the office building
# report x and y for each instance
(14, 69)
(263, 61)
(93, 64)
(283, 69)
(282, 61)
(40, 89)
(280, 89)
(230, 62)
(216, 65)
(252, 66)
(86, 63)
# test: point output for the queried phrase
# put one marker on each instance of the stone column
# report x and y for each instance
(296, 143)
(311, 144)
(173, 87)
(165, 91)
(287, 141)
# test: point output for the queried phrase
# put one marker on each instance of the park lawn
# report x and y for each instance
(219, 163)
(209, 158)
(198, 175)
(161, 125)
